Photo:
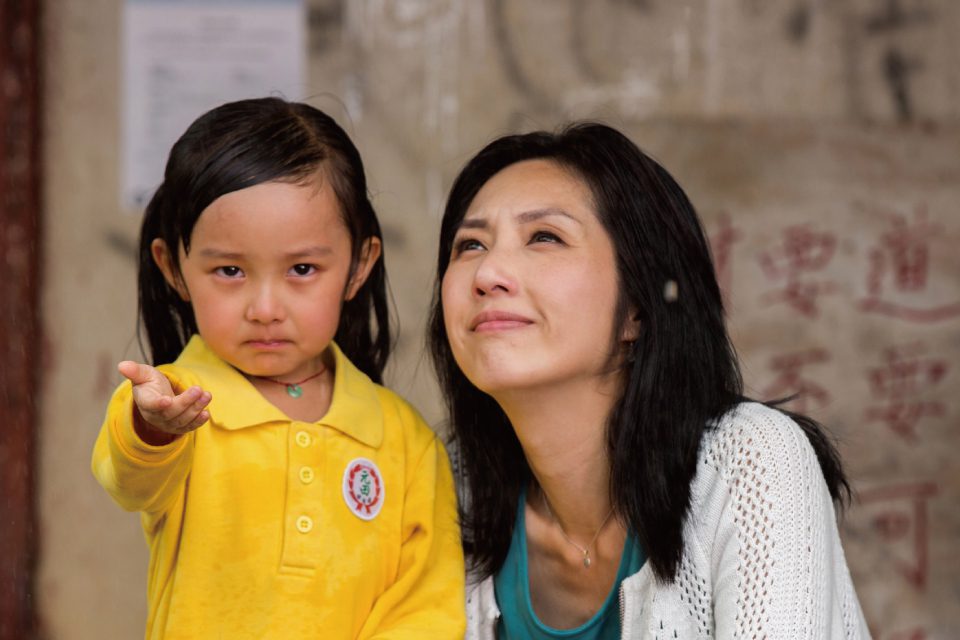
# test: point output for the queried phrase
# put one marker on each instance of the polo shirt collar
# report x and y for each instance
(236, 404)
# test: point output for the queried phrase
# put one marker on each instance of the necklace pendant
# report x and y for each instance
(294, 390)
(586, 560)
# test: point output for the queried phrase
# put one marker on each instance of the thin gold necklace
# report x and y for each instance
(584, 550)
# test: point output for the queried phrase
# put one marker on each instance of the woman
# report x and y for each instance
(617, 483)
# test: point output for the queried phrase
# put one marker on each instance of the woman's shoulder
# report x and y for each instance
(753, 433)
(757, 478)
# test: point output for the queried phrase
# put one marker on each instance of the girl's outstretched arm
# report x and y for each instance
(141, 456)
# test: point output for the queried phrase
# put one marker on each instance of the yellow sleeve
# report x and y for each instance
(137, 475)
(426, 600)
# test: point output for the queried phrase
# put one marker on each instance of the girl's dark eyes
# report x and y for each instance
(229, 272)
(303, 269)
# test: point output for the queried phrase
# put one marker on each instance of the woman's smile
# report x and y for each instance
(493, 321)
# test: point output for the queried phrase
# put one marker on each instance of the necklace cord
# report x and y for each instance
(293, 388)
(584, 550)
(294, 384)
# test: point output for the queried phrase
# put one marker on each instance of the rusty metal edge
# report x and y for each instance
(20, 328)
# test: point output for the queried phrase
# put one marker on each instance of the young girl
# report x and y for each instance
(283, 492)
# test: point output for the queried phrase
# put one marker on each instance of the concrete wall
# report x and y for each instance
(819, 140)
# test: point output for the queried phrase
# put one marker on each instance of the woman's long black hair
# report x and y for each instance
(681, 374)
(242, 144)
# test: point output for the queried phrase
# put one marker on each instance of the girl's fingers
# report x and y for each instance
(137, 373)
(151, 389)
(187, 407)
(179, 414)
(148, 400)
(198, 422)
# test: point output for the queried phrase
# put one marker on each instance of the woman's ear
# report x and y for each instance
(165, 262)
(631, 327)
(369, 254)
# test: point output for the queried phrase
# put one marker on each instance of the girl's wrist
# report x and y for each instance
(150, 434)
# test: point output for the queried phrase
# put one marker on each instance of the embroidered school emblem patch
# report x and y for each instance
(363, 488)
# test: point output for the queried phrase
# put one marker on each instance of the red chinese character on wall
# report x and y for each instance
(790, 382)
(911, 634)
(898, 515)
(802, 253)
(900, 382)
(898, 278)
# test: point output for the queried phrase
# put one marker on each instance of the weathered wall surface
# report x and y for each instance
(819, 140)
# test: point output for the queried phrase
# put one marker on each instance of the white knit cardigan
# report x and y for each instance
(761, 550)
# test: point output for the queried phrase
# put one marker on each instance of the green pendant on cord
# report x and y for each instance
(294, 390)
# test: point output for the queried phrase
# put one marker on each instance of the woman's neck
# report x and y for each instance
(563, 434)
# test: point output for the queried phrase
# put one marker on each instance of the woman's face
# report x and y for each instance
(530, 292)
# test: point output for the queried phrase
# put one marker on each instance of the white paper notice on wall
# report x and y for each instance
(184, 57)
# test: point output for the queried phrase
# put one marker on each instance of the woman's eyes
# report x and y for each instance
(545, 236)
(466, 244)
(460, 246)
(472, 244)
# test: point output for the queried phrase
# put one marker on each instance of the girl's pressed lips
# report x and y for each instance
(267, 344)
(498, 321)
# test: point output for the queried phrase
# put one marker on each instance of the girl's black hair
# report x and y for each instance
(681, 374)
(242, 144)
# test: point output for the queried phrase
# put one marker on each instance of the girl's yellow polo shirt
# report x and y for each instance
(264, 527)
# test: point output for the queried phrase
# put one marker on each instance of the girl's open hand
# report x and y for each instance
(160, 408)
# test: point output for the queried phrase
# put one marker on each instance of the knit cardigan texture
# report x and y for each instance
(761, 551)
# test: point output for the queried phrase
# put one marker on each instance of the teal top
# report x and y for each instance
(512, 588)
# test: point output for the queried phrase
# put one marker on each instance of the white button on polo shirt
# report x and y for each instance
(304, 524)
(306, 475)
